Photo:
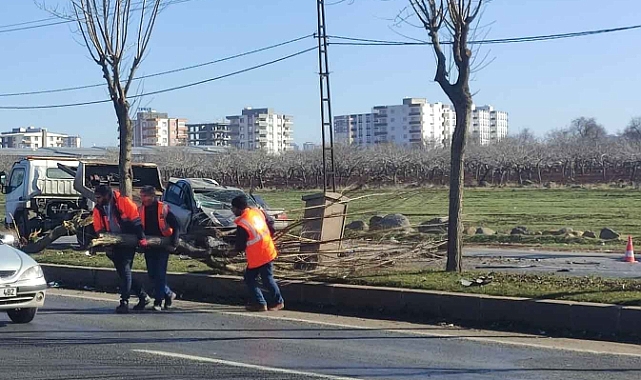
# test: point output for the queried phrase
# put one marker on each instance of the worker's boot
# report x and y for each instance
(142, 303)
(278, 306)
(158, 306)
(256, 307)
(123, 308)
(169, 300)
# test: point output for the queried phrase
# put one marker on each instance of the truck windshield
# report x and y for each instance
(56, 173)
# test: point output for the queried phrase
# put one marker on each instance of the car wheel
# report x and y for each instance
(22, 315)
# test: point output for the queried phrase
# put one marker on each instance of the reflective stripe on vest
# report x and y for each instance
(163, 211)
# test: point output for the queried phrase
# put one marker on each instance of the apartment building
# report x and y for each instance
(261, 128)
(417, 123)
(488, 125)
(209, 134)
(35, 138)
(152, 128)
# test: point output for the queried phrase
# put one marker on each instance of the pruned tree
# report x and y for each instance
(117, 34)
(632, 131)
(453, 18)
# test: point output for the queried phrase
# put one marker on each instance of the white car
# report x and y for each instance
(22, 283)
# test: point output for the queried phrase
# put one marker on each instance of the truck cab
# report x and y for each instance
(39, 195)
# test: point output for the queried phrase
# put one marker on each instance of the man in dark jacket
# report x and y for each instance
(158, 220)
(118, 214)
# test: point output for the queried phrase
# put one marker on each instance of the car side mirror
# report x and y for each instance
(6, 189)
(3, 178)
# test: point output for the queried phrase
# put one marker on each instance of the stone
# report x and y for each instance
(375, 222)
(395, 221)
(357, 225)
(485, 231)
(608, 234)
(519, 230)
(470, 231)
(434, 226)
(589, 234)
(527, 182)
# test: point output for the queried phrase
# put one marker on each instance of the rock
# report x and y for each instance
(485, 231)
(520, 230)
(562, 231)
(538, 233)
(375, 222)
(608, 234)
(357, 225)
(527, 182)
(434, 226)
(589, 234)
(549, 185)
(395, 221)
(470, 231)
(483, 184)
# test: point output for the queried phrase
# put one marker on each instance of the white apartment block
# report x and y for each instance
(263, 129)
(413, 123)
(35, 138)
(417, 123)
(152, 128)
(488, 125)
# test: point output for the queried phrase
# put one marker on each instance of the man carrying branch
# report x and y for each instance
(119, 214)
(254, 237)
(158, 220)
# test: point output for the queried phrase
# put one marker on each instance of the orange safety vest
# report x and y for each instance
(260, 246)
(124, 207)
(163, 211)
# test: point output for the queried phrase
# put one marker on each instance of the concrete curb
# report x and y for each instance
(577, 317)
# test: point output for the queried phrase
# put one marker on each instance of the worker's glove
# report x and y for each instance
(143, 243)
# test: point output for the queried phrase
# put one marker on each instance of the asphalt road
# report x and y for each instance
(540, 261)
(77, 336)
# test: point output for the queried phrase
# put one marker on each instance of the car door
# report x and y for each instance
(179, 200)
(15, 191)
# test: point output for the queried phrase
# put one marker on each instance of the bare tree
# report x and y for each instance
(633, 131)
(453, 17)
(117, 36)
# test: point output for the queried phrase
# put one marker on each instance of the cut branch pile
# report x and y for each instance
(367, 252)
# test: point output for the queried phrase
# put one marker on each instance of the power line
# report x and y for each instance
(547, 37)
(20, 26)
(170, 89)
(65, 89)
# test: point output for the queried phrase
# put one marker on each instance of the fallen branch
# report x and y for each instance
(183, 248)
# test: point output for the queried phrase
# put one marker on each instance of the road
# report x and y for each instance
(534, 260)
(77, 336)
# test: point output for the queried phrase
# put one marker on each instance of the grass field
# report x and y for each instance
(585, 289)
(499, 209)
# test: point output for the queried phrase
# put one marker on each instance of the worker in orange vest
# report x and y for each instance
(254, 234)
(158, 220)
(119, 214)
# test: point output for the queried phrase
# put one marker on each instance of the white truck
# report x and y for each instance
(42, 192)
(39, 195)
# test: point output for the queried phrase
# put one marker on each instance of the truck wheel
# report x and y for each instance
(22, 315)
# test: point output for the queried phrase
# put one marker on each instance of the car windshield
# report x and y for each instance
(221, 199)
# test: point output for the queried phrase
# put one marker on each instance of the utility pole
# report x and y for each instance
(329, 178)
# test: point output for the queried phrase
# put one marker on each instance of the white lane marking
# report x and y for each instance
(481, 339)
(243, 365)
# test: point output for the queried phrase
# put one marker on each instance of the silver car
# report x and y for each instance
(22, 283)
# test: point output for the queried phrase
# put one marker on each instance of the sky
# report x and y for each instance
(542, 85)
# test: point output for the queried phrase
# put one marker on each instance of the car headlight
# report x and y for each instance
(32, 273)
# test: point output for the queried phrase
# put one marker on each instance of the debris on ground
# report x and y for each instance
(481, 281)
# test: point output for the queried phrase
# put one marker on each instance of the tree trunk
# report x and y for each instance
(457, 174)
(126, 143)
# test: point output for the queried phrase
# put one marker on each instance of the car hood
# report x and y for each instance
(12, 262)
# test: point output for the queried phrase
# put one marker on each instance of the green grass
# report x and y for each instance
(74, 258)
(584, 289)
(499, 209)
